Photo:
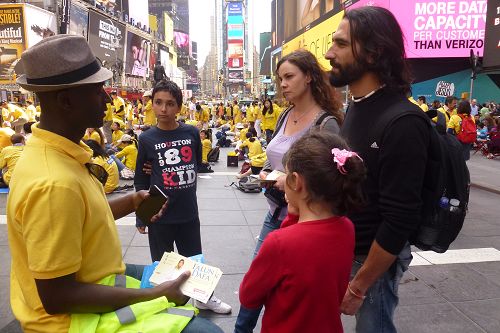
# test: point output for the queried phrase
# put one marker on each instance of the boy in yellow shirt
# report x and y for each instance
(128, 153)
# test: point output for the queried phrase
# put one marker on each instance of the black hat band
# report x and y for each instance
(69, 77)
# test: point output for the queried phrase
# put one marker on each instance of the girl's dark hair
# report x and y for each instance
(97, 149)
(311, 157)
(265, 109)
(117, 123)
(377, 34)
(171, 87)
(324, 94)
(464, 108)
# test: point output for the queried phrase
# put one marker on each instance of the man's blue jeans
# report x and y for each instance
(196, 325)
(377, 312)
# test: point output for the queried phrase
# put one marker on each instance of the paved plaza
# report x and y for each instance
(458, 292)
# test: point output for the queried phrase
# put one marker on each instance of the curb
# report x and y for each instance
(485, 188)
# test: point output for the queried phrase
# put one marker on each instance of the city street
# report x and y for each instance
(457, 292)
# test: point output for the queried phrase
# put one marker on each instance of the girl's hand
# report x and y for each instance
(280, 183)
(263, 175)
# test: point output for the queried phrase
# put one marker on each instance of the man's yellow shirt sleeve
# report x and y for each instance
(53, 232)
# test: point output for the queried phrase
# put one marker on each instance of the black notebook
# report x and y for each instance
(151, 205)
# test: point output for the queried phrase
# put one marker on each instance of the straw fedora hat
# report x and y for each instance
(60, 62)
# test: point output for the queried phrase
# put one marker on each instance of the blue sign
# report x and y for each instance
(235, 8)
(235, 19)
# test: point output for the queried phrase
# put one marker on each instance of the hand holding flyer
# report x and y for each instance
(201, 283)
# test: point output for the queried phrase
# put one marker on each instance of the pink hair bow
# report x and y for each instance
(341, 156)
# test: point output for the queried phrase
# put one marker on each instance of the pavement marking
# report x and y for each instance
(420, 258)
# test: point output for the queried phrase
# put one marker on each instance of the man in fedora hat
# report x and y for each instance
(62, 233)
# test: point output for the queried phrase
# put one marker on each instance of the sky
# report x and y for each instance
(199, 22)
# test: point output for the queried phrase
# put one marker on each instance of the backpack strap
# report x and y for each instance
(281, 120)
(323, 119)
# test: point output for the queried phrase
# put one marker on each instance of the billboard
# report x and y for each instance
(492, 36)
(39, 24)
(78, 23)
(441, 29)
(169, 29)
(138, 12)
(235, 62)
(11, 39)
(182, 42)
(235, 76)
(265, 53)
(137, 55)
(235, 9)
(103, 36)
(235, 48)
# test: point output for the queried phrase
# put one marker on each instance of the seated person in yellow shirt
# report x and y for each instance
(5, 135)
(94, 134)
(9, 156)
(206, 146)
(100, 157)
(115, 137)
(255, 154)
(127, 157)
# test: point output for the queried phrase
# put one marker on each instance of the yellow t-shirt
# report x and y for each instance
(269, 120)
(455, 123)
(149, 114)
(206, 146)
(424, 107)
(446, 115)
(254, 148)
(93, 136)
(129, 152)
(112, 169)
(108, 116)
(8, 159)
(205, 115)
(251, 114)
(15, 112)
(50, 238)
(115, 136)
(31, 113)
(5, 134)
(119, 102)
(243, 134)
(236, 114)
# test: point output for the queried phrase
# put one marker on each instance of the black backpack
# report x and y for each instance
(213, 154)
(446, 176)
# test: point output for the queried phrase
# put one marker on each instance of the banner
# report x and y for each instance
(106, 39)
(235, 76)
(235, 62)
(78, 23)
(182, 42)
(11, 39)
(137, 55)
(492, 36)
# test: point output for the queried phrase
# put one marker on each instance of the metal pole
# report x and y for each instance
(471, 85)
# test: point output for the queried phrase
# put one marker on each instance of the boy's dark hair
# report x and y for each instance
(198, 107)
(16, 138)
(97, 149)
(311, 157)
(27, 127)
(378, 35)
(250, 135)
(172, 88)
(422, 98)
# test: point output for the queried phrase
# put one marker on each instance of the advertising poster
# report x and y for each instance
(265, 53)
(106, 39)
(492, 38)
(235, 62)
(40, 24)
(441, 29)
(11, 39)
(235, 49)
(235, 9)
(79, 19)
(138, 11)
(137, 55)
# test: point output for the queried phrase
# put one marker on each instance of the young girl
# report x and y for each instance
(128, 152)
(206, 146)
(101, 158)
(302, 270)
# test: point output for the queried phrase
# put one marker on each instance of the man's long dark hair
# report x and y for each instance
(381, 45)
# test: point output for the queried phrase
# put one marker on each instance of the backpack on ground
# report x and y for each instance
(468, 131)
(248, 185)
(445, 191)
(213, 154)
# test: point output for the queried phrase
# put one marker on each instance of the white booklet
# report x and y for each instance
(200, 285)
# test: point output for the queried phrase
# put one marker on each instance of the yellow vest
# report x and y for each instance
(154, 316)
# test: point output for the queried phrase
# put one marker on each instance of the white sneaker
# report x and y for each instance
(214, 304)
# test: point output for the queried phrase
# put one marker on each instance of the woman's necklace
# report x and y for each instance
(302, 116)
(355, 100)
